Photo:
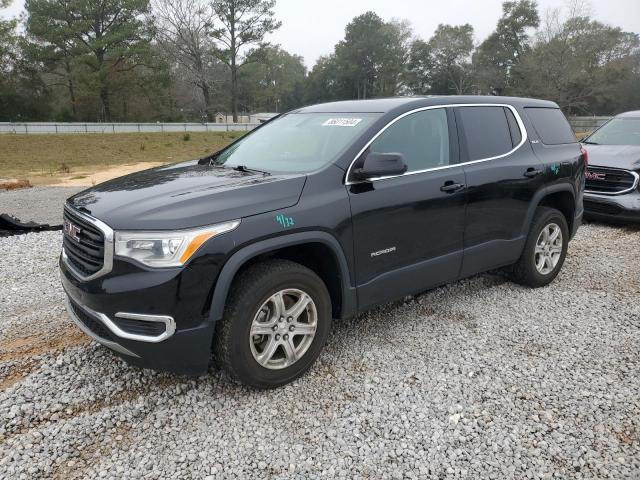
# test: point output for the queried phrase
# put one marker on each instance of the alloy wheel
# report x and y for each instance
(283, 328)
(548, 248)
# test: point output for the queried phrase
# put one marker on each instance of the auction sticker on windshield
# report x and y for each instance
(342, 122)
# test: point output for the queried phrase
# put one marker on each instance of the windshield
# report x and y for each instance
(619, 131)
(297, 142)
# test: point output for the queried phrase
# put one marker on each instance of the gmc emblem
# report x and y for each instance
(71, 230)
(594, 176)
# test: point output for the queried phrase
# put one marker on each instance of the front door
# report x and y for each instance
(408, 229)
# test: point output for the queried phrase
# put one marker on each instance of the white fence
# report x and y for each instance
(586, 124)
(48, 127)
(579, 124)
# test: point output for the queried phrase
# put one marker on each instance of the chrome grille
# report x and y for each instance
(609, 181)
(85, 249)
(87, 245)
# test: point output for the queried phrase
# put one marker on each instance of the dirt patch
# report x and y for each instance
(17, 373)
(14, 184)
(34, 345)
(88, 178)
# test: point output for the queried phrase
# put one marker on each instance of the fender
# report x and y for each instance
(239, 258)
(539, 196)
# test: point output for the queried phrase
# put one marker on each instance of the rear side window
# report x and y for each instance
(486, 131)
(551, 125)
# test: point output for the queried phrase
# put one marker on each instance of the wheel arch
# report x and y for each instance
(304, 248)
(561, 197)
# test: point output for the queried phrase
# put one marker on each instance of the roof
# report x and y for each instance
(632, 114)
(383, 105)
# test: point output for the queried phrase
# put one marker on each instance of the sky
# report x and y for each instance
(311, 28)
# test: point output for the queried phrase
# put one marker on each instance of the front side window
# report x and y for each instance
(422, 138)
(297, 142)
(619, 131)
(486, 131)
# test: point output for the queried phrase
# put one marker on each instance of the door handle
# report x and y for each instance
(532, 172)
(451, 187)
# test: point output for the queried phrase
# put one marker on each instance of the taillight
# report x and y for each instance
(584, 156)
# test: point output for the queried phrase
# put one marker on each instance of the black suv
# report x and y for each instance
(320, 213)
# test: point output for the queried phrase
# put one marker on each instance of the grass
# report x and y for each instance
(23, 156)
(37, 157)
(581, 135)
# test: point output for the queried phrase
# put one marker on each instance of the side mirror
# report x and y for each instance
(380, 165)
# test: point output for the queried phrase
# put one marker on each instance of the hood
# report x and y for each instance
(186, 195)
(614, 156)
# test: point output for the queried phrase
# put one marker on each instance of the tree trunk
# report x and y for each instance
(234, 68)
(104, 87)
(72, 94)
(234, 90)
(104, 98)
(206, 95)
(203, 85)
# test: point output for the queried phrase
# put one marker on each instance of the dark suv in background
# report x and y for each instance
(321, 213)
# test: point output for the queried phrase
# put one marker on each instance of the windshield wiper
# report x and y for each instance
(245, 169)
(590, 143)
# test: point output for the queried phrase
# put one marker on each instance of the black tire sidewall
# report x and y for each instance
(243, 364)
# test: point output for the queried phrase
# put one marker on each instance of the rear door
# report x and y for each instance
(555, 144)
(502, 176)
(408, 229)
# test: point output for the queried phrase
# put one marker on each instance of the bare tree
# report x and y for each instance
(184, 32)
(242, 23)
(576, 61)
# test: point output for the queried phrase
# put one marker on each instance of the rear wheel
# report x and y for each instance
(545, 249)
(275, 324)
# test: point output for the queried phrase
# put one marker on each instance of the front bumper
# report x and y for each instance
(152, 319)
(625, 207)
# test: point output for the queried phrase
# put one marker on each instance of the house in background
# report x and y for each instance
(221, 117)
(261, 117)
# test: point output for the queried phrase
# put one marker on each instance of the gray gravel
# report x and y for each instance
(479, 379)
(37, 204)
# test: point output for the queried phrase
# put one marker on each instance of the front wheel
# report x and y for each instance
(275, 324)
(545, 249)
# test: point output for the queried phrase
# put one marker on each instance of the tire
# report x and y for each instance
(526, 270)
(258, 297)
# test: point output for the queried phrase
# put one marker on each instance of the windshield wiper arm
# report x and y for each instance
(590, 143)
(244, 168)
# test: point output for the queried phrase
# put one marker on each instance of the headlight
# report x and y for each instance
(167, 249)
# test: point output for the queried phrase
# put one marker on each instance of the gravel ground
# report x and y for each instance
(478, 379)
(37, 204)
